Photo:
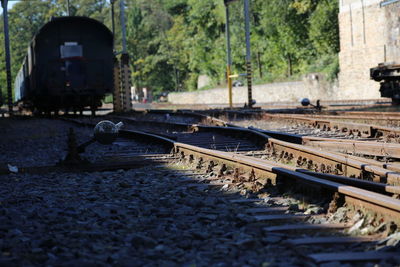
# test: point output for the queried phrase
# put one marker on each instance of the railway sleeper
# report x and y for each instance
(244, 174)
(256, 179)
(313, 161)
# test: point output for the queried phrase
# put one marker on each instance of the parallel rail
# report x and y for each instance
(256, 174)
(269, 173)
(296, 154)
(355, 129)
(262, 173)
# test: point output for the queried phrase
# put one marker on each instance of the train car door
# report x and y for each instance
(74, 66)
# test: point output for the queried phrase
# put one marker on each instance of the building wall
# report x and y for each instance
(369, 34)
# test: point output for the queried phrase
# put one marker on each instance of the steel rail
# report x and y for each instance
(357, 129)
(338, 163)
(368, 185)
(370, 148)
(353, 117)
(379, 149)
(273, 172)
(320, 161)
(368, 113)
(331, 162)
(360, 197)
(255, 136)
(201, 118)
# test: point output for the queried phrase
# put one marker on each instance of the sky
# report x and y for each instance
(10, 4)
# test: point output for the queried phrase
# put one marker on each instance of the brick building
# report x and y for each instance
(369, 34)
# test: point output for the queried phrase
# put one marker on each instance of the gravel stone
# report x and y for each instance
(140, 217)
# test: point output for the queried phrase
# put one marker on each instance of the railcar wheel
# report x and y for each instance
(36, 112)
(93, 109)
(395, 101)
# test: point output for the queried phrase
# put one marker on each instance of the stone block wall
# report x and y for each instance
(311, 88)
(369, 34)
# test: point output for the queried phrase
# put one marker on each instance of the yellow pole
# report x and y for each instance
(228, 54)
(228, 72)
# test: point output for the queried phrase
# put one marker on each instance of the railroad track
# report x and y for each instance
(223, 158)
(288, 151)
(344, 142)
(342, 124)
(349, 128)
(329, 124)
(242, 171)
(378, 118)
(325, 162)
(355, 142)
(262, 145)
(219, 167)
(333, 104)
(215, 138)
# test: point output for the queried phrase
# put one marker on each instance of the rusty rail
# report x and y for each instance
(356, 129)
(347, 146)
(299, 155)
(330, 162)
(198, 117)
(270, 174)
(262, 173)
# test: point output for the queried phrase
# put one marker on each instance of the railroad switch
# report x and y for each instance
(73, 157)
(306, 102)
(105, 132)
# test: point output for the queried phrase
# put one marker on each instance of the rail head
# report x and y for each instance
(377, 202)
(258, 137)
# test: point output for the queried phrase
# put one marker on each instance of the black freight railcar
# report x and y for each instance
(69, 65)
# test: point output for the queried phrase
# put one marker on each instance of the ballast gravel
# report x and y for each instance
(28, 142)
(153, 216)
(144, 217)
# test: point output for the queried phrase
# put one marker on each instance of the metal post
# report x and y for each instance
(68, 10)
(125, 69)
(112, 18)
(1, 100)
(248, 53)
(229, 57)
(4, 4)
(122, 7)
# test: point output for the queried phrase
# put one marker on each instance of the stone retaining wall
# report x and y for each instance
(287, 91)
(369, 34)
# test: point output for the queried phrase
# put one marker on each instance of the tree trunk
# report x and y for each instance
(259, 64)
(176, 78)
(290, 67)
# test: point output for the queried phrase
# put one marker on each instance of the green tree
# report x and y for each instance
(172, 42)
(324, 30)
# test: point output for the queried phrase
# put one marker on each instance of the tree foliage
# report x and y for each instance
(172, 42)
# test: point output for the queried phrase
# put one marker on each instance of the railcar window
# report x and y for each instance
(71, 51)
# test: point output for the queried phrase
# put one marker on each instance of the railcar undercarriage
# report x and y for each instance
(389, 77)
